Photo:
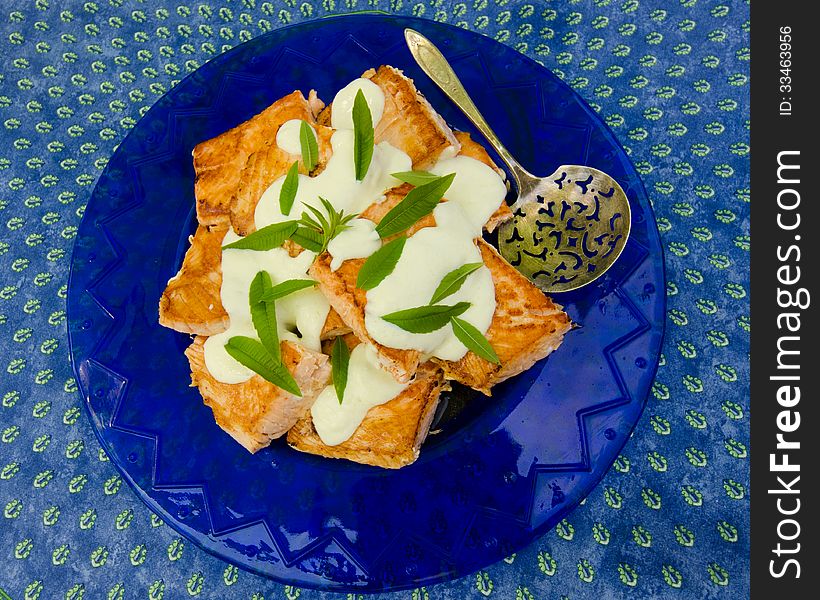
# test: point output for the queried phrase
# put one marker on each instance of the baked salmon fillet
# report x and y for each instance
(256, 411)
(339, 287)
(234, 168)
(391, 434)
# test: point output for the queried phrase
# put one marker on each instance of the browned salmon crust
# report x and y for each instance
(526, 327)
(256, 411)
(220, 162)
(334, 326)
(191, 301)
(390, 434)
(408, 122)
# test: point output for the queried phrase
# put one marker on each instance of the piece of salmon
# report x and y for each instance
(261, 169)
(191, 302)
(390, 434)
(339, 287)
(256, 411)
(408, 121)
(223, 174)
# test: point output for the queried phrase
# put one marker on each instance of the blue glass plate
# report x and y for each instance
(502, 470)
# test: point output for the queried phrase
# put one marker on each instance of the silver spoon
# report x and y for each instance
(568, 228)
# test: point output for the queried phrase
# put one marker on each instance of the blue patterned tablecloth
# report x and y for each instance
(671, 78)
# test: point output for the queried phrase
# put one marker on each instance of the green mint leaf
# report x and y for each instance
(286, 288)
(252, 354)
(343, 222)
(310, 149)
(474, 340)
(362, 136)
(453, 281)
(259, 285)
(418, 203)
(339, 363)
(380, 264)
(307, 221)
(424, 319)
(415, 178)
(267, 238)
(308, 238)
(263, 314)
(288, 192)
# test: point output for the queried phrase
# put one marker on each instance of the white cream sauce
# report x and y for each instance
(359, 240)
(337, 182)
(341, 115)
(368, 385)
(476, 188)
(288, 137)
(305, 310)
(427, 257)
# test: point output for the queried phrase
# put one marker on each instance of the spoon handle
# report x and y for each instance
(433, 63)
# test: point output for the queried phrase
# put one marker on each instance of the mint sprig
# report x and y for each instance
(310, 148)
(339, 364)
(362, 136)
(380, 264)
(324, 225)
(418, 203)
